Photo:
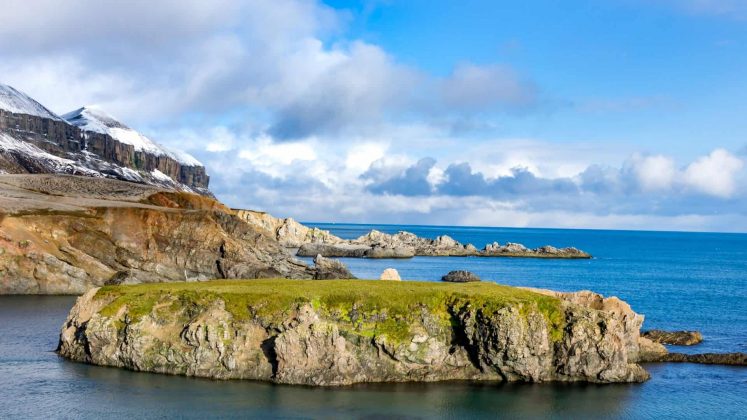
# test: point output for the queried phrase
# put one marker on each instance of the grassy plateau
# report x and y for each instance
(364, 307)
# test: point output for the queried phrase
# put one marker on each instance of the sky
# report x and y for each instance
(603, 114)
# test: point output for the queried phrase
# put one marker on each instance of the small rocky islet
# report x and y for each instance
(341, 332)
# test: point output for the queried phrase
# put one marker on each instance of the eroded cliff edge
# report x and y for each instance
(64, 234)
(343, 332)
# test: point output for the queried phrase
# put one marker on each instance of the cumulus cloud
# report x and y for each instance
(412, 181)
(653, 173)
(642, 185)
(714, 174)
(278, 63)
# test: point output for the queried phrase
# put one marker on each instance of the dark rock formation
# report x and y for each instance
(346, 336)
(729, 359)
(460, 276)
(677, 338)
(327, 269)
(332, 251)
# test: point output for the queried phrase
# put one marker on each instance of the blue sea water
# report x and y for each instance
(678, 280)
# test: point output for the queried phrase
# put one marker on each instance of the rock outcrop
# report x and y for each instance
(460, 276)
(630, 321)
(288, 232)
(677, 338)
(344, 332)
(377, 244)
(333, 251)
(310, 242)
(65, 234)
(728, 359)
(327, 269)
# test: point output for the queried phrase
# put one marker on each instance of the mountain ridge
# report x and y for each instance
(33, 139)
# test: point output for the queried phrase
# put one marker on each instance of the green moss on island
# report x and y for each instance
(368, 308)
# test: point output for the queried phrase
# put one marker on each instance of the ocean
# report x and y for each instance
(677, 280)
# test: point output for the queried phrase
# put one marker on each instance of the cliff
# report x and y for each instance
(65, 234)
(340, 332)
(33, 140)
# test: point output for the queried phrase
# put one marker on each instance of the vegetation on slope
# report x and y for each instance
(365, 308)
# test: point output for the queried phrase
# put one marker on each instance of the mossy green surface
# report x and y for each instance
(364, 307)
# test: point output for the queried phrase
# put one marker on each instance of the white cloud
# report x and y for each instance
(714, 174)
(291, 118)
(654, 173)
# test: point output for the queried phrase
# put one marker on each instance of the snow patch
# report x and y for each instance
(161, 176)
(9, 143)
(91, 118)
(17, 102)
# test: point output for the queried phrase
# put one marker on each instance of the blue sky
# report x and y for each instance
(623, 114)
(656, 77)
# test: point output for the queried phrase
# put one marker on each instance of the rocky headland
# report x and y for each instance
(342, 332)
(65, 234)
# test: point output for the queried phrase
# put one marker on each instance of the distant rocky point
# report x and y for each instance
(314, 241)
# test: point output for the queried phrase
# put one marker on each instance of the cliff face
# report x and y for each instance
(89, 153)
(65, 234)
(345, 332)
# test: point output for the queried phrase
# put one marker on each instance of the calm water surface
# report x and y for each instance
(678, 280)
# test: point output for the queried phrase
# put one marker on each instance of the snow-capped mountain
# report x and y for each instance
(92, 118)
(89, 142)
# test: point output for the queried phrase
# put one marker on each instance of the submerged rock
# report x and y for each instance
(390, 274)
(460, 276)
(677, 338)
(350, 332)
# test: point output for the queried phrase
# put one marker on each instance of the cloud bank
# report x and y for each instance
(293, 116)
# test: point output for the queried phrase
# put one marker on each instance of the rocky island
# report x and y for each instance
(340, 332)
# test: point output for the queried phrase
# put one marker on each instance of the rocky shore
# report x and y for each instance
(343, 332)
(311, 242)
(377, 244)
